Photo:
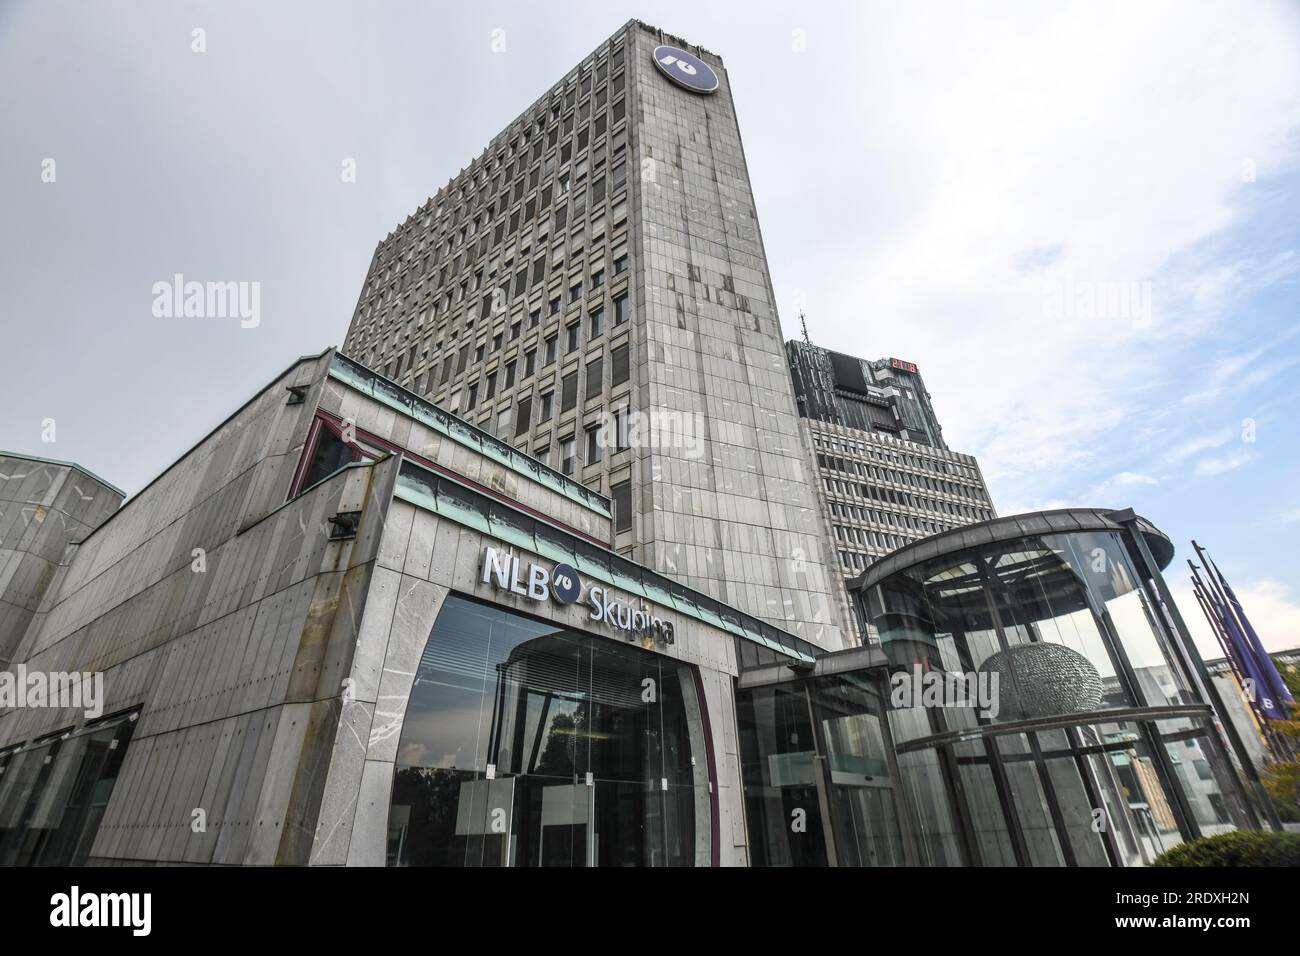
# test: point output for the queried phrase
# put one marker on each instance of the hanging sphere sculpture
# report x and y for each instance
(1043, 680)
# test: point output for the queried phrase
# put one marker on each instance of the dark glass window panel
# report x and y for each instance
(620, 368)
(544, 707)
(329, 455)
(569, 391)
(622, 496)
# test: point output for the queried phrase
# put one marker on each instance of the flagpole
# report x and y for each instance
(1216, 626)
(1233, 612)
(1273, 684)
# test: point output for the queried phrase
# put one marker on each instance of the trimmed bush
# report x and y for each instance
(1242, 848)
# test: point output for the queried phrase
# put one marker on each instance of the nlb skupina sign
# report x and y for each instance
(537, 582)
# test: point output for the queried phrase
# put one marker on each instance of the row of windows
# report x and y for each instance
(369, 334)
(934, 464)
(611, 436)
(918, 480)
(490, 289)
(595, 322)
(511, 152)
(904, 499)
(543, 395)
(858, 561)
(378, 342)
(885, 519)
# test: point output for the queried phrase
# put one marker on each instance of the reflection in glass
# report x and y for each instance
(53, 795)
(525, 744)
(1074, 633)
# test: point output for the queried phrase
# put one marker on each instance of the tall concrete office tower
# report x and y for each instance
(886, 477)
(593, 288)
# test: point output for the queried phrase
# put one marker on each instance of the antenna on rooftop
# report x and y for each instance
(803, 324)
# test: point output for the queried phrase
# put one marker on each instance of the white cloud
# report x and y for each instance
(1134, 478)
(1199, 444)
(1034, 146)
(1210, 467)
(1105, 493)
(1270, 605)
(1290, 517)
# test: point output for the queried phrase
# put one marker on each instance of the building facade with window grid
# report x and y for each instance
(593, 289)
(882, 493)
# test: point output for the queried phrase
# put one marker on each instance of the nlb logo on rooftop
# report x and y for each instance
(563, 583)
(685, 69)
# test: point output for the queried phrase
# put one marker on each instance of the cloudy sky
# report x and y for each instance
(1080, 220)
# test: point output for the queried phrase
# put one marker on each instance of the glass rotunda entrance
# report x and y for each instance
(1080, 732)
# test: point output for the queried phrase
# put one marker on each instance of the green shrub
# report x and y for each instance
(1242, 848)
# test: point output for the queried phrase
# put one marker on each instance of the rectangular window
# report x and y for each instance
(595, 445)
(621, 437)
(569, 391)
(622, 495)
(56, 792)
(523, 415)
(595, 379)
(574, 336)
(620, 309)
(471, 397)
(530, 362)
(510, 375)
(551, 346)
(491, 391)
(548, 407)
(568, 455)
(620, 366)
(544, 454)
(597, 320)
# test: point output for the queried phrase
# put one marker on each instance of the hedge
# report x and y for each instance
(1241, 848)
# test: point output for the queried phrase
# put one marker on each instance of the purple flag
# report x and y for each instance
(1275, 682)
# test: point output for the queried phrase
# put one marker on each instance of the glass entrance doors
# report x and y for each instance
(525, 744)
(819, 773)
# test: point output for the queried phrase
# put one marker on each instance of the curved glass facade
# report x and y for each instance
(528, 744)
(1041, 708)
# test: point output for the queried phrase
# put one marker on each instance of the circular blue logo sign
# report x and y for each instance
(565, 584)
(686, 69)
